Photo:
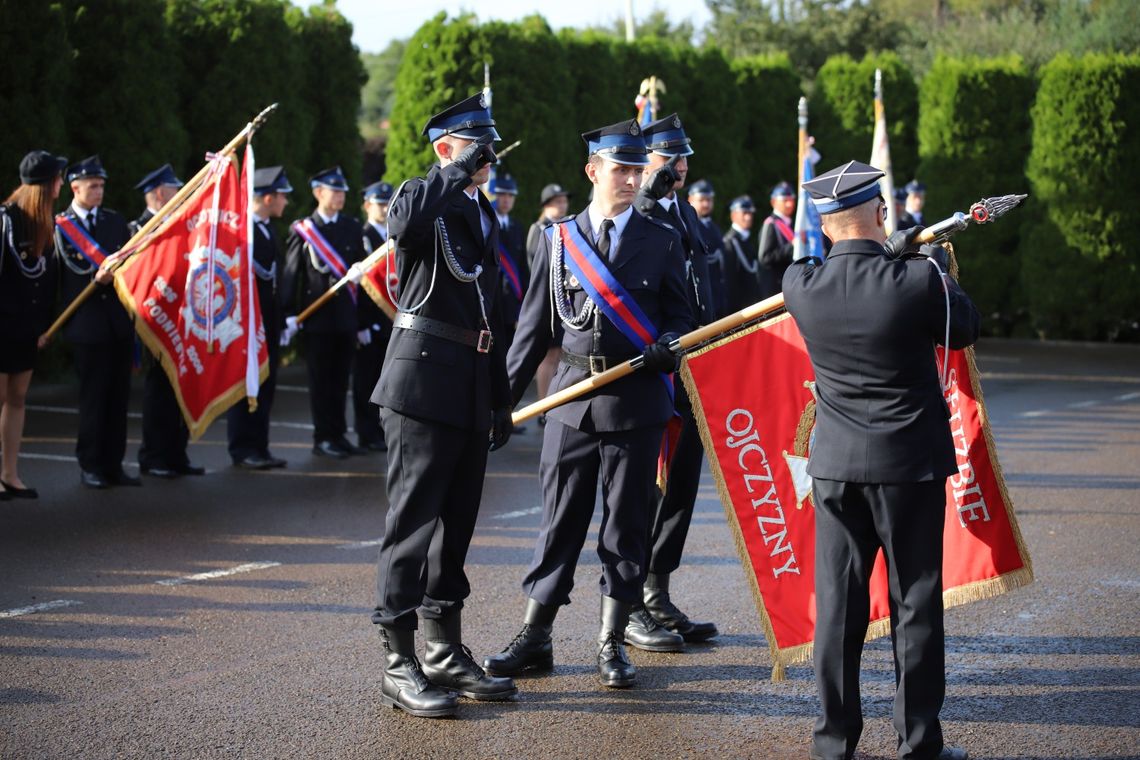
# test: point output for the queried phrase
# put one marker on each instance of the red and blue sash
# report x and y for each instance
(324, 250)
(80, 239)
(782, 226)
(511, 272)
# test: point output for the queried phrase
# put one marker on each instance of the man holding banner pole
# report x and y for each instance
(881, 454)
(609, 285)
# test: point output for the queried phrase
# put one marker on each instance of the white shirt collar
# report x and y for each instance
(620, 221)
(667, 203)
(742, 232)
(381, 228)
(81, 212)
(786, 219)
(504, 220)
(329, 219)
(258, 219)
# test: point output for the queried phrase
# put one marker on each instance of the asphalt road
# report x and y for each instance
(277, 657)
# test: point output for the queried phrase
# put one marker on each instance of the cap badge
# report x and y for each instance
(634, 129)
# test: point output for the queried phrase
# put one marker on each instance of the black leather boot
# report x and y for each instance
(449, 665)
(531, 649)
(405, 686)
(645, 633)
(658, 604)
(614, 667)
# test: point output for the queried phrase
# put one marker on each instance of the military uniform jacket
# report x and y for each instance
(714, 246)
(696, 255)
(775, 255)
(650, 265)
(870, 324)
(740, 264)
(102, 317)
(27, 287)
(267, 256)
(306, 277)
(428, 377)
(138, 224)
(514, 240)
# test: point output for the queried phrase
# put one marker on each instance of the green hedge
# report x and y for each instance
(145, 82)
(1081, 268)
(548, 88)
(973, 142)
(842, 112)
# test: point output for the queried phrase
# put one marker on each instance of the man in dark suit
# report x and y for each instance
(100, 332)
(443, 395)
(319, 251)
(247, 432)
(741, 254)
(657, 624)
(614, 434)
(881, 454)
(512, 254)
(915, 200)
(777, 241)
(702, 197)
(375, 328)
(165, 436)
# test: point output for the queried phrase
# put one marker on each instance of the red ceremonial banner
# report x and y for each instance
(753, 396)
(381, 276)
(189, 292)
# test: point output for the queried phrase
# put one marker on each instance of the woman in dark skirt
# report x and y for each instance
(28, 280)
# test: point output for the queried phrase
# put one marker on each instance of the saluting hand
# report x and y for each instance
(476, 155)
(662, 180)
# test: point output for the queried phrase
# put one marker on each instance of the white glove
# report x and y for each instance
(355, 273)
(364, 337)
(292, 327)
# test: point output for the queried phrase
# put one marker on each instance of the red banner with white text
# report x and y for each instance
(190, 292)
(753, 395)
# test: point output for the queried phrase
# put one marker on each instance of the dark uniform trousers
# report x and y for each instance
(879, 463)
(164, 431)
(247, 433)
(612, 436)
(436, 398)
(330, 333)
(852, 522)
(673, 510)
(102, 340)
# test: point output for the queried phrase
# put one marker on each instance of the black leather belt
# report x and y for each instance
(480, 340)
(595, 364)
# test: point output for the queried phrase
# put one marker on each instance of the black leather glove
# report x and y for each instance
(901, 242)
(938, 254)
(661, 181)
(501, 428)
(476, 155)
(658, 356)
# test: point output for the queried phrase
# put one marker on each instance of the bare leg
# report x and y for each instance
(13, 397)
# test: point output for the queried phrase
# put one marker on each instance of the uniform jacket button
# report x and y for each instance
(424, 354)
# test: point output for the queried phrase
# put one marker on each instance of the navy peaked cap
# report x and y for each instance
(844, 187)
(782, 190)
(914, 186)
(87, 168)
(742, 203)
(39, 167)
(378, 192)
(469, 119)
(163, 175)
(552, 191)
(622, 143)
(505, 184)
(331, 178)
(701, 187)
(667, 137)
(271, 179)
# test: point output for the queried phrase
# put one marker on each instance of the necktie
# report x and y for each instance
(675, 211)
(474, 215)
(604, 237)
(91, 221)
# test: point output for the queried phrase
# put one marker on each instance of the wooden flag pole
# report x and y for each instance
(156, 221)
(366, 263)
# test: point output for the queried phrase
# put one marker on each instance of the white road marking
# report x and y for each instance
(138, 415)
(246, 568)
(1128, 396)
(1083, 404)
(1037, 413)
(362, 544)
(518, 513)
(19, 611)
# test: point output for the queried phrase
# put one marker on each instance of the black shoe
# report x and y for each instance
(253, 463)
(19, 493)
(274, 462)
(121, 478)
(405, 687)
(190, 469)
(329, 449)
(377, 445)
(355, 451)
(449, 665)
(644, 632)
(5, 496)
(614, 668)
(93, 480)
(662, 609)
(953, 753)
(166, 473)
(532, 649)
